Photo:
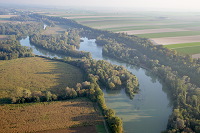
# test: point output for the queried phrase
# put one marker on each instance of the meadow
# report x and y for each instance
(36, 74)
(170, 34)
(186, 48)
(57, 29)
(50, 116)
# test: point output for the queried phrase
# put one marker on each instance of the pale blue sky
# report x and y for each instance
(144, 4)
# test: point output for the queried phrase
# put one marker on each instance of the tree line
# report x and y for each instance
(11, 49)
(65, 44)
(20, 29)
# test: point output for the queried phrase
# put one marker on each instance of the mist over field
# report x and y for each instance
(162, 5)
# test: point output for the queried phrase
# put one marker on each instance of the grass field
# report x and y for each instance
(186, 48)
(170, 34)
(143, 27)
(58, 29)
(36, 74)
(49, 116)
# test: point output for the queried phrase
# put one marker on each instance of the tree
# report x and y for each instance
(48, 96)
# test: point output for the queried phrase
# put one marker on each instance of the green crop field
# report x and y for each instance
(170, 34)
(36, 74)
(189, 50)
(143, 27)
(186, 48)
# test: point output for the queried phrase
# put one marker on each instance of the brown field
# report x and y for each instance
(176, 40)
(7, 16)
(85, 129)
(46, 116)
(196, 56)
(153, 31)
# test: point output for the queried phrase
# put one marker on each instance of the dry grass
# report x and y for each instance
(48, 116)
(85, 129)
(36, 74)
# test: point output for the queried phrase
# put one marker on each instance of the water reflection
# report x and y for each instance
(39, 51)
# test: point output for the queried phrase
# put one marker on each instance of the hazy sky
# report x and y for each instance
(144, 4)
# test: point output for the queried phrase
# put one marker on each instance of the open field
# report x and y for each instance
(170, 34)
(186, 48)
(36, 74)
(143, 27)
(49, 116)
(148, 31)
(174, 46)
(58, 29)
(84, 129)
(177, 40)
(189, 50)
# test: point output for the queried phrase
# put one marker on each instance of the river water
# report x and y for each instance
(147, 112)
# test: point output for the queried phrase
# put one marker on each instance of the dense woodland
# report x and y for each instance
(11, 49)
(20, 29)
(65, 44)
(180, 73)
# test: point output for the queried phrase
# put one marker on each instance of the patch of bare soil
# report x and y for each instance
(176, 40)
(196, 56)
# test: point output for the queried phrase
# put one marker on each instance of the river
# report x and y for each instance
(147, 112)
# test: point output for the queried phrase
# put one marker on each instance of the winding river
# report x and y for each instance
(147, 112)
